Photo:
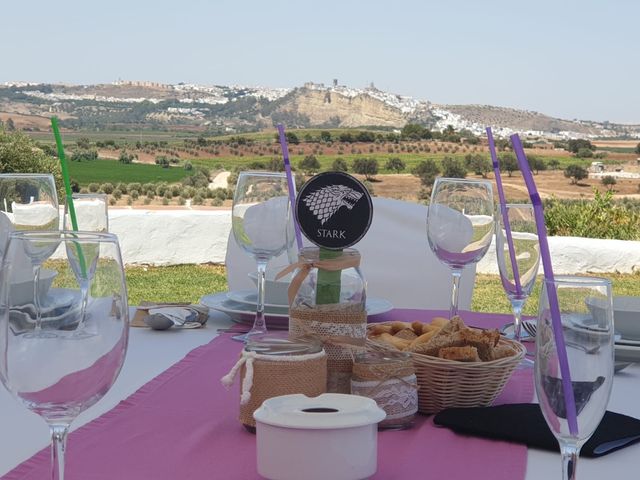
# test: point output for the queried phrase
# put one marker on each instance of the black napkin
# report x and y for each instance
(524, 423)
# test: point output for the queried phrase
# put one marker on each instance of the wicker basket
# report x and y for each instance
(448, 383)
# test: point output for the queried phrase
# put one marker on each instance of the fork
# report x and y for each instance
(531, 328)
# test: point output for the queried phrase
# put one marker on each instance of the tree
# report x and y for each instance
(10, 126)
(366, 166)
(292, 138)
(478, 164)
(125, 157)
(395, 164)
(584, 153)
(339, 165)
(426, 171)
(574, 145)
(553, 164)
(637, 150)
(453, 168)
(19, 154)
(412, 131)
(325, 136)
(576, 173)
(508, 163)
(309, 165)
(536, 164)
(346, 137)
(608, 181)
(365, 137)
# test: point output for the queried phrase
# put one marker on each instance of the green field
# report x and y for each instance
(101, 171)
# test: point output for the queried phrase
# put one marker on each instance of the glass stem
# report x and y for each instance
(570, 452)
(456, 274)
(259, 325)
(516, 307)
(36, 298)
(58, 447)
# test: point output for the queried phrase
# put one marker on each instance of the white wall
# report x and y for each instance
(166, 237)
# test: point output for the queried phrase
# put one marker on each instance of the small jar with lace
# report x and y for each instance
(389, 379)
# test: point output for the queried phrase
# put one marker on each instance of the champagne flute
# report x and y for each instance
(91, 215)
(518, 266)
(51, 360)
(586, 314)
(260, 218)
(460, 225)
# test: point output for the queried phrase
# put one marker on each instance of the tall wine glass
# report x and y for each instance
(518, 266)
(28, 201)
(52, 360)
(460, 225)
(586, 312)
(260, 218)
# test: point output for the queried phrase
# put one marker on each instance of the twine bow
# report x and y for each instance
(247, 359)
(304, 267)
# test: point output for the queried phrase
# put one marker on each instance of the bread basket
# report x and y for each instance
(448, 383)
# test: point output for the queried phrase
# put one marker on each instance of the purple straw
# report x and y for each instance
(551, 290)
(503, 210)
(292, 187)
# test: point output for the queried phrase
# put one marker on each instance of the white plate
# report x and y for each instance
(627, 353)
(276, 317)
(628, 342)
(250, 297)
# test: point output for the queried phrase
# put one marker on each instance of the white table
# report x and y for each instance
(151, 352)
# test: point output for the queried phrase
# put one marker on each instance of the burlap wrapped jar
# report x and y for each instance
(389, 379)
(272, 366)
(327, 301)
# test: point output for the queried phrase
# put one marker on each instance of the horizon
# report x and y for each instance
(548, 60)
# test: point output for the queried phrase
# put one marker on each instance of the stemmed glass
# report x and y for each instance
(518, 266)
(52, 360)
(28, 201)
(586, 313)
(460, 225)
(260, 218)
(91, 215)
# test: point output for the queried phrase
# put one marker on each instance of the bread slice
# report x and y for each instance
(460, 354)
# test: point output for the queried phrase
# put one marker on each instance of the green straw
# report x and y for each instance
(67, 189)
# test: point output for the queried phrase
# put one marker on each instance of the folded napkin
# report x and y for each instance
(524, 423)
(201, 312)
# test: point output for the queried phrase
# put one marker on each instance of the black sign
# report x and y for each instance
(334, 210)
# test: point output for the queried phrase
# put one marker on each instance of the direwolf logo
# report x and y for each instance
(324, 203)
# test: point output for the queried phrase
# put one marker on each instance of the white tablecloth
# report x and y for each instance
(152, 352)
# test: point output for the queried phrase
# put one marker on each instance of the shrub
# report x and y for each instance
(188, 166)
(161, 188)
(165, 201)
(148, 188)
(107, 188)
(84, 190)
(395, 164)
(94, 187)
(122, 187)
(584, 153)
(608, 180)
(426, 171)
(117, 194)
(129, 201)
(216, 202)
(453, 168)
(309, 165)
(197, 200)
(175, 190)
(112, 201)
(134, 186)
(126, 158)
(340, 165)
(134, 194)
(147, 201)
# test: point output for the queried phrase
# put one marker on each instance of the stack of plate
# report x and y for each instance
(241, 307)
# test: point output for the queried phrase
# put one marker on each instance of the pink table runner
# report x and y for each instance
(182, 425)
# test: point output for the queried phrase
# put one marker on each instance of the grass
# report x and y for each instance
(102, 171)
(182, 283)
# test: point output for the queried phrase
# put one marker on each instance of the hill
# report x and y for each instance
(231, 109)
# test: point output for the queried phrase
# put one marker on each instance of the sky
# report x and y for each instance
(565, 58)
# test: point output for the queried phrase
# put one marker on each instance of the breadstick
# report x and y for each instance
(398, 343)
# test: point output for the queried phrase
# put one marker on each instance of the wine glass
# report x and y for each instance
(586, 323)
(51, 359)
(28, 201)
(460, 225)
(518, 263)
(91, 213)
(260, 218)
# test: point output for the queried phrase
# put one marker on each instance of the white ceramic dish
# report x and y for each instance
(276, 317)
(22, 292)
(627, 353)
(276, 292)
(250, 297)
(331, 436)
(626, 316)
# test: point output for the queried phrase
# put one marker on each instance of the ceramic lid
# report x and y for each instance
(324, 412)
